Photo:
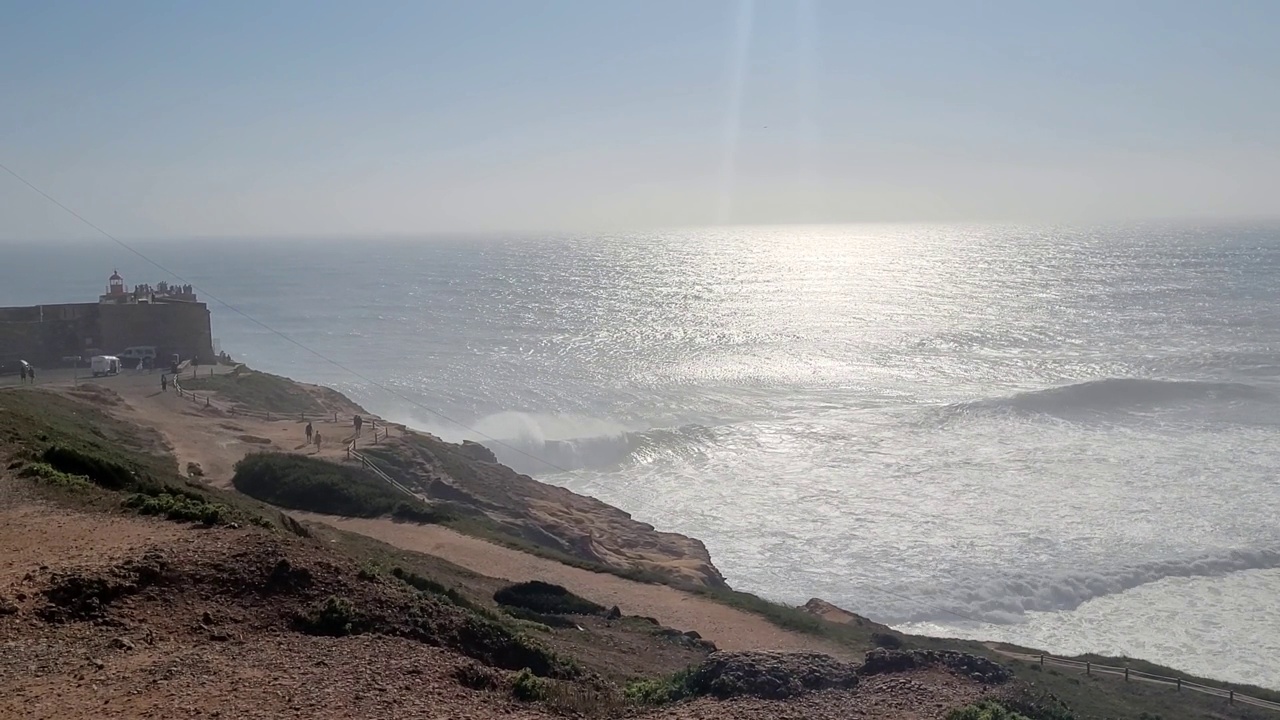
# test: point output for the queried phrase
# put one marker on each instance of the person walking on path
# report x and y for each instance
(308, 431)
(164, 383)
(317, 441)
(31, 375)
(22, 374)
(358, 422)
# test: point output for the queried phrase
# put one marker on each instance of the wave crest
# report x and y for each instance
(1113, 394)
(1008, 599)
(540, 443)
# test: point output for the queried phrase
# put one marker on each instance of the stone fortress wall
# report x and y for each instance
(175, 322)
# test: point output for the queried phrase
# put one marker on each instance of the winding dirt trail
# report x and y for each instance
(729, 628)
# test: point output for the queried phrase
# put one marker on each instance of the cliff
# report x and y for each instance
(469, 476)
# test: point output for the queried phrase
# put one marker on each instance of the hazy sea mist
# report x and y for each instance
(1062, 438)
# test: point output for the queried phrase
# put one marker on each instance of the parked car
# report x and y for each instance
(105, 365)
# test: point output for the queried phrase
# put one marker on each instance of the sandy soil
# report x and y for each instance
(208, 436)
(34, 534)
(728, 628)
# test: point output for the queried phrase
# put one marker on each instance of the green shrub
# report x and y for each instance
(335, 617)
(107, 473)
(660, 691)
(528, 687)
(546, 598)
(369, 571)
(178, 507)
(50, 475)
(303, 483)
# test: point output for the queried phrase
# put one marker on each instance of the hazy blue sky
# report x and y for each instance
(199, 118)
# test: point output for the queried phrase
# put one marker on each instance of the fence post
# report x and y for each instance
(1088, 668)
(1231, 699)
(1126, 673)
(206, 401)
(335, 416)
(1179, 684)
(1041, 661)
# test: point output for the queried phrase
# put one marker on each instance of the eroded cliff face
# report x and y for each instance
(468, 475)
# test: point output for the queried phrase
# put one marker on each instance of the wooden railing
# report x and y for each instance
(371, 466)
(1130, 675)
(379, 430)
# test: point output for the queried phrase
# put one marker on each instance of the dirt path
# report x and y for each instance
(207, 436)
(728, 628)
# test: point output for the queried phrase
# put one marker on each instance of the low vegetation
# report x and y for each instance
(179, 507)
(313, 485)
(660, 691)
(72, 445)
(258, 391)
(49, 475)
(545, 598)
(528, 687)
(336, 617)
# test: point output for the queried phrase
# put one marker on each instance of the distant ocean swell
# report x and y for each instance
(1008, 599)
(1115, 395)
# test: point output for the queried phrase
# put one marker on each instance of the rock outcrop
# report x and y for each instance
(881, 661)
(770, 675)
(469, 477)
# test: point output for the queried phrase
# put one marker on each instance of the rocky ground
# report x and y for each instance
(106, 614)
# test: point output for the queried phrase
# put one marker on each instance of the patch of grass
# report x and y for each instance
(179, 507)
(427, 585)
(527, 687)
(49, 475)
(78, 438)
(661, 691)
(545, 598)
(303, 483)
(259, 391)
(985, 710)
(537, 619)
(335, 617)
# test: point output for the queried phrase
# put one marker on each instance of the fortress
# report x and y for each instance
(168, 317)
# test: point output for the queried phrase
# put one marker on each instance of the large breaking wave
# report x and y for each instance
(540, 443)
(1117, 394)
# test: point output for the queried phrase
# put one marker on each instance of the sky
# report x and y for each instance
(264, 118)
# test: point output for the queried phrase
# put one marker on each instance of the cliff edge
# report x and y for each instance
(468, 475)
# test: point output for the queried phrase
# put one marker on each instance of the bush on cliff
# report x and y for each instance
(303, 483)
(546, 598)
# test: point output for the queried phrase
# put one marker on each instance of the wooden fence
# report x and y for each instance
(1130, 675)
(378, 431)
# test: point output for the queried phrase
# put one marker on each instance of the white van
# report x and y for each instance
(105, 365)
(139, 352)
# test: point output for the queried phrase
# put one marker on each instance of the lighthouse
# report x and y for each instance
(115, 285)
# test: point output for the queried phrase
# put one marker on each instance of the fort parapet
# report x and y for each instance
(170, 318)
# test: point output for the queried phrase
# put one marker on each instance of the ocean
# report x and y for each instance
(1066, 438)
